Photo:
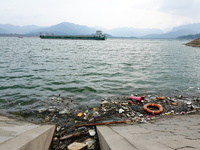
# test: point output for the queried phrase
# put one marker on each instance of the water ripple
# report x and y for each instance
(32, 68)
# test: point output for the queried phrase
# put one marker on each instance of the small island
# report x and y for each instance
(194, 43)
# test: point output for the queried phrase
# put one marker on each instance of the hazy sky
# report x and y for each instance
(162, 14)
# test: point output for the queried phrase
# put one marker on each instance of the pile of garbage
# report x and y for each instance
(76, 124)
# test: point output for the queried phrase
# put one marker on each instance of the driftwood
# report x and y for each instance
(101, 123)
(70, 135)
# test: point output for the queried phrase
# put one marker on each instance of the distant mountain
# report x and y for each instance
(66, 28)
(169, 35)
(195, 27)
(3, 31)
(177, 31)
(190, 36)
(130, 32)
(12, 29)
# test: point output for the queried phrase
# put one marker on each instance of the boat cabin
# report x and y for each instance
(99, 33)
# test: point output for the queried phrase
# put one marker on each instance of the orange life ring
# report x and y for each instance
(154, 105)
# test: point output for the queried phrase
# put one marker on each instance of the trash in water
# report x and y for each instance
(136, 98)
(91, 143)
(92, 132)
(80, 114)
(121, 110)
(161, 98)
(76, 123)
(77, 146)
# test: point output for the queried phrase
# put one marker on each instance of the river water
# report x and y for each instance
(34, 69)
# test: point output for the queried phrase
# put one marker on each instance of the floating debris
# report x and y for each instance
(92, 132)
(77, 146)
(139, 99)
(80, 114)
(76, 124)
(161, 98)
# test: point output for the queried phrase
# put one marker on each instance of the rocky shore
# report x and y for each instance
(194, 43)
(76, 124)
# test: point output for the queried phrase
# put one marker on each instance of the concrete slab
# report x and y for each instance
(180, 132)
(110, 139)
(10, 128)
(18, 135)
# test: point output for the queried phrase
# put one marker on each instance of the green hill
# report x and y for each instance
(194, 43)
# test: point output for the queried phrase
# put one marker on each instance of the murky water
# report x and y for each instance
(34, 69)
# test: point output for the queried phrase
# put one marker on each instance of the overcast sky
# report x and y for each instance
(162, 14)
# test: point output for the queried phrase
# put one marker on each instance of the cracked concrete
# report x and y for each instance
(177, 133)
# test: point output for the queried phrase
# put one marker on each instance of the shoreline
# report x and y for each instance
(183, 128)
(75, 122)
(194, 43)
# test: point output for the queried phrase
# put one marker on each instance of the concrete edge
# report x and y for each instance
(112, 140)
(103, 144)
(38, 138)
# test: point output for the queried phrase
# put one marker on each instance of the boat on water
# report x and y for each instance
(98, 36)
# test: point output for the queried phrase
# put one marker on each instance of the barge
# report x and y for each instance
(98, 36)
